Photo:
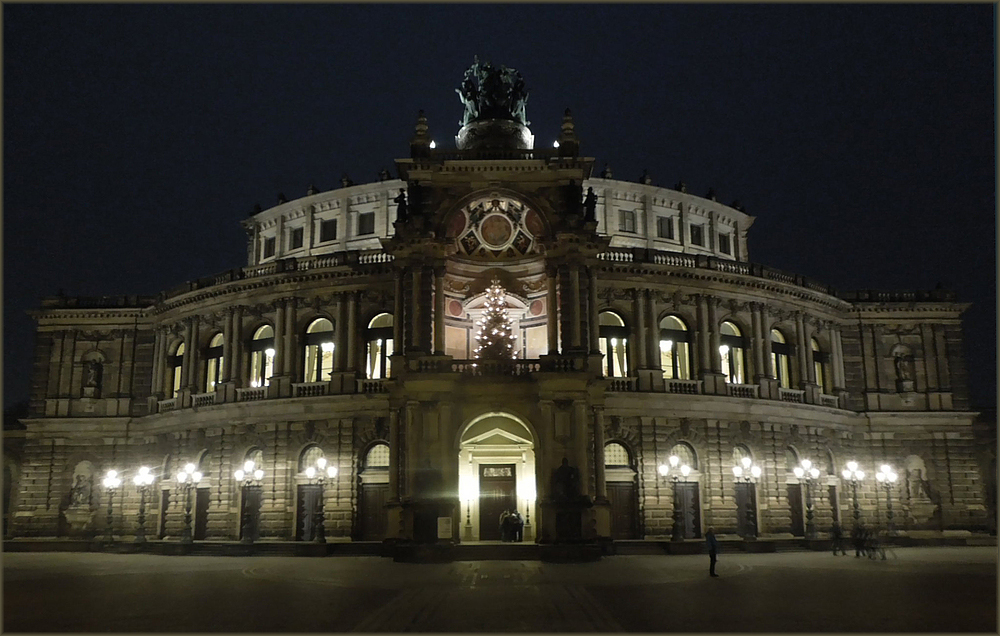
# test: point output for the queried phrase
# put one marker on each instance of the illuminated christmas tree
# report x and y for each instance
(493, 331)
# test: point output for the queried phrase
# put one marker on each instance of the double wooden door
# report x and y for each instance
(372, 513)
(622, 497)
(307, 512)
(497, 492)
(746, 509)
(798, 527)
(203, 497)
(687, 499)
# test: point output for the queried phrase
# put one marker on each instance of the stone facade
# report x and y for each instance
(417, 430)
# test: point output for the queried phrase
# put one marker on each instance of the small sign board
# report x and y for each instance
(444, 527)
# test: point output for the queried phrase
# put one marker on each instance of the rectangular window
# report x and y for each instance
(665, 227)
(626, 221)
(697, 235)
(724, 246)
(269, 247)
(366, 223)
(328, 230)
(295, 242)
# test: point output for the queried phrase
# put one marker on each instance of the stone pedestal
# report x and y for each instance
(651, 380)
(568, 521)
(904, 386)
(714, 384)
(768, 388)
(80, 520)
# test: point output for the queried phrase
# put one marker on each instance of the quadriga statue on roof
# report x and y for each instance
(488, 92)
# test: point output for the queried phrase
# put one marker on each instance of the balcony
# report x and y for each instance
(203, 399)
(309, 389)
(792, 395)
(252, 394)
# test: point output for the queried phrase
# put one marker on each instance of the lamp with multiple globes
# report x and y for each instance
(248, 477)
(677, 472)
(142, 480)
(319, 474)
(808, 473)
(111, 483)
(886, 477)
(748, 473)
(854, 475)
(188, 480)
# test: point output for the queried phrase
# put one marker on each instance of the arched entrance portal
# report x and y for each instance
(496, 471)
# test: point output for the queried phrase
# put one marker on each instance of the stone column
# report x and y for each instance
(352, 331)
(186, 374)
(930, 361)
(580, 425)
(237, 346)
(715, 358)
(397, 312)
(574, 281)
(704, 336)
(279, 336)
(439, 311)
(808, 353)
(415, 309)
(340, 335)
(758, 342)
(227, 346)
(290, 348)
(653, 329)
(412, 438)
(159, 345)
(552, 309)
(393, 454)
(639, 310)
(592, 321)
(837, 358)
(600, 480)
(800, 335)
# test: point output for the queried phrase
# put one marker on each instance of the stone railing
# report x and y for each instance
(829, 400)
(251, 394)
(203, 399)
(617, 256)
(685, 387)
(623, 385)
(167, 405)
(513, 368)
(675, 260)
(367, 258)
(373, 386)
(309, 389)
(744, 390)
(792, 395)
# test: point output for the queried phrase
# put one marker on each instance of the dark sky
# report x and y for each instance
(137, 136)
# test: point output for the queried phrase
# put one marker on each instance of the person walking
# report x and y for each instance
(713, 550)
(837, 538)
(858, 538)
(504, 524)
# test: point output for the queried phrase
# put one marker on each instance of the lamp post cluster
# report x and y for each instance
(808, 473)
(111, 483)
(318, 474)
(248, 477)
(886, 477)
(748, 473)
(677, 472)
(143, 480)
(188, 479)
(854, 475)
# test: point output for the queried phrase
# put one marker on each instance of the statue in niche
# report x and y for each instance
(590, 206)
(80, 493)
(401, 205)
(904, 366)
(566, 482)
(92, 374)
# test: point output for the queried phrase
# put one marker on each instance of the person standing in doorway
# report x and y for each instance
(713, 550)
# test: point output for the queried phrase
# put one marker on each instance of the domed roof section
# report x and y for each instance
(494, 117)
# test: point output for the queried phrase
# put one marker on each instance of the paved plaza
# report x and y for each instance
(914, 590)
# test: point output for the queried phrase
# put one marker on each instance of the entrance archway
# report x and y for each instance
(496, 471)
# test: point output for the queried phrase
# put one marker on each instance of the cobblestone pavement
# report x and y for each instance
(914, 590)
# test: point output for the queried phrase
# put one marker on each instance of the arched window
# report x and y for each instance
(177, 363)
(779, 359)
(820, 362)
(617, 455)
(318, 355)
(213, 363)
(309, 456)
(613, 343)
(831, 468)
(791, 459)
(685, 453)
(675, 358)
(262, 356)
(256, 456)
(739, 452)
(732, 349)
(377, 457)
(378, 337)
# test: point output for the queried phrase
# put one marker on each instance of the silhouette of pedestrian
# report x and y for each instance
(837, 537)
(713, 550)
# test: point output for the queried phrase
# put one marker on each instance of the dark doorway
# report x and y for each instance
(687, 494)
(497, 492)
(621, 495)
(250, 511)
(372, 513)
(746, 509)
(162, 521)
(798, 528)
(308, 509)
(202, 500)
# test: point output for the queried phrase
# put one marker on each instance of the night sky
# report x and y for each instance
(136, 137)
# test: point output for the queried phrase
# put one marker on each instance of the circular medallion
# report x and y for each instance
(533, 223)
(496, 230)
(455, 308)
(536, 308)
(456, 225)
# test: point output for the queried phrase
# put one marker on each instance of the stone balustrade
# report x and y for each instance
(792, 395)
(203, 399)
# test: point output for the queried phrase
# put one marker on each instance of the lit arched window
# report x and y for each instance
(318, 354)
(256, 456)
(685, 453)
(779, 359)
(378, 337)
(739, 452)
(820, 361)
(675, 358)
(309, 456)
(616, 455)
(177, 363)
(791, 459)
(262, 356)
(213, 363)
(613, 343)
(732, 349)
(377, 457)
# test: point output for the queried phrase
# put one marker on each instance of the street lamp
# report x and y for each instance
(188, 479)
(319, 474)
(248, 477)
(805, 471)
(143, 480)
(886, 477)
(677, 472)
(111, 483)
(853, 475)
(747, 472)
